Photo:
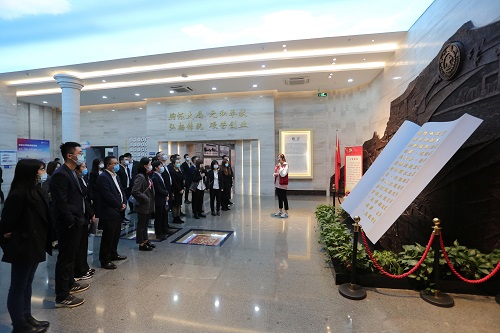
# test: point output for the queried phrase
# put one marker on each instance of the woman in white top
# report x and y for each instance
(281, 184)
(215, 185)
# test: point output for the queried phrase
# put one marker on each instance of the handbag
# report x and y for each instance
(193, 187)
(284, 180)
(133, 200)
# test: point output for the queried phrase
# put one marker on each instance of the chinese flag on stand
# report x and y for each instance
(337, 163)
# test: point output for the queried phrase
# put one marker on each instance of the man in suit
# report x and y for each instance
(112, 204)
(2, 198)
(166, 175)
(187, 176)
(162, 229)
(133, 166)
(68, 209)
(126, 180)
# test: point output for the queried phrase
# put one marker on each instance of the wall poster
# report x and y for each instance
(353, 167)
(297, 147)
(36, 149)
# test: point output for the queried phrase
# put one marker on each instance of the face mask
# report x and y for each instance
(85, 172)
(227, 165)
(202, 167)
(162, 169)
(150, 168)
(216, 166)
(43, 178)
(116, 168)
(127, 162)
(164, 157)
(101, 166)
(178, 165)
(188, 159)
(80, 160)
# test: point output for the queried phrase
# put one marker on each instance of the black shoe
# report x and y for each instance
(91, 271)
(27, 328)
(182, 214)
(108, 265)
(218, 213)
(126, 220)
(224, 209)
(37, 323)
(202, 215)
(231, 203)
(150, 244)
(213, 213)
(119, 257)
(196, 216)
(187, 202)
(177, 220)
(145, 247)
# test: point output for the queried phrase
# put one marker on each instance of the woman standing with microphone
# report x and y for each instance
(24, 229)
(281, 184)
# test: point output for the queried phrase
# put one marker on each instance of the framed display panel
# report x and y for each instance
(297, 147)
(210, 149)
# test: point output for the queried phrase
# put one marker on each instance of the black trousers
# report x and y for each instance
(109, 241)
(282, 198)
(81, 264)
(198, 201)
(69, 239)
(215, 194)
(225, 196)
(142, 228)
(19, 297)
(161, 221)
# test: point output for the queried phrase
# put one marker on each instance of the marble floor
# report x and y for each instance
(268, 276)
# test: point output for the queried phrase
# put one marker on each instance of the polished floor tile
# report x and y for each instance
(268, 276)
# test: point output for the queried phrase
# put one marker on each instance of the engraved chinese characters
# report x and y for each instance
(207, 120)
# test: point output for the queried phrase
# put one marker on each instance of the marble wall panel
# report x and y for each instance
(8, 129)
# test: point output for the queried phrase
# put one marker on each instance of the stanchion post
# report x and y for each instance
(438, 298)
(352, 290)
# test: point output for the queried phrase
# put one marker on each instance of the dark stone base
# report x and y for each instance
(306, 192)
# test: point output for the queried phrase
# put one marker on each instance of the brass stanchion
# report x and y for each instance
(438, 298)
(352, 290)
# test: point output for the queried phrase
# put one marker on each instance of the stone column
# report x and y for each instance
(71, 87)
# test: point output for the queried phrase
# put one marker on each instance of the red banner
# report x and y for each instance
(353, 167)
(337, 162)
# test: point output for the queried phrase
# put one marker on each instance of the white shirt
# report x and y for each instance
(113, 175)
(216, 180)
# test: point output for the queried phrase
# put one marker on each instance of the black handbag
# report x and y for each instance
(193, 187)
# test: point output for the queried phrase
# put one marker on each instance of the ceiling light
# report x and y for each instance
(263, 66)
(103, 80)
(44, 102)
(214, 88)
(329, 76)
(285, 50)
(89, 111)
(171, 91)
(104, 97)
(396, 77)
(373, 40)
(284, 45)
(158, 103)
(255, 86)
(113, 110)
(333, 63)
(364, 59)
(350, 80)
(140, 108)
(334, 59)
(138, 94)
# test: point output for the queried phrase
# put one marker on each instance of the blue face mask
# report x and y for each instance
(216, 166)
(85, 172)
(80, 160)
(116, 167)
(42, 178)
(178, 165)
(227, 165)
(150, 168)
(162, 169)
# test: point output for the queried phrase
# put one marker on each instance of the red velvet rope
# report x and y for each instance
(404, 274)
(486, 278)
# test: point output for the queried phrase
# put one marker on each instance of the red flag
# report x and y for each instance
(337, 162)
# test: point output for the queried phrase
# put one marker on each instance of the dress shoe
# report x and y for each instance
(177, 220)
(187, 202)
(37, 323)
(145, 247)
(218, 213)
(224, 209)
(231, 203)
(119, 257)
(202, 215)
(150, 244)
(171, 231)
(27, 328)
(196, 216)
(213, 213)
(108, 265)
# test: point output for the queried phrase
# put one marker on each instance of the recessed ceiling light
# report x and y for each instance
(113, 110)
(333, 63)
(334, 59)
(284, 45)
(158, 103)
(350, 80)
(396, 77)
(285, 50)
(140, 108)
(373, 40)
(103, 80)
(263, 66)
(171, 91)
(214, 88)
(329, 76)
(104, 97)
(138, 94)
(44, 102)
(364, 59)
(89, 111)
(255, 86)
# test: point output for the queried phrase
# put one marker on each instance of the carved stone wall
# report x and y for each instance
(463, 78)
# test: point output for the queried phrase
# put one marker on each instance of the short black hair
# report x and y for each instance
(224, 157)
(186, 155)
(127, 155)
(68, 148)
(174, 157)
(121, 158)
(156, 164)
(107, 160)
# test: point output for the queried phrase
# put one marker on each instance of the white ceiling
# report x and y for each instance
(358, 58)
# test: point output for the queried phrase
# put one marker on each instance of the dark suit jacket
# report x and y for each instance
(166, 179)
(135, 169)
(89, 209)
(67, 198)
(145, 195)
(211, 177)
(161, 191)
(29, 223)
(110, 202)
(122, 174)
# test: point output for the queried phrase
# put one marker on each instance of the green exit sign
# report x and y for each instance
(322, 94)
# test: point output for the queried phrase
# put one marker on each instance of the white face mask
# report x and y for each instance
(216, 166)
(101, 165)
(150, 168)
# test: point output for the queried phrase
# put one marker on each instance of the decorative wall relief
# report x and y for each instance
(463, 78)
